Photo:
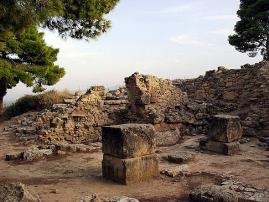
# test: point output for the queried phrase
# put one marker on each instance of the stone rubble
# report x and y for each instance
(175, 171)
(94, 198)
(16, 192)
(229, 191)
(180, 157)
(55, 148)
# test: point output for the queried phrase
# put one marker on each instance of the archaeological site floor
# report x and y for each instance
(70, 177)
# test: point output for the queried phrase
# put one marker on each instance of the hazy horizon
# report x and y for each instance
(179, 39)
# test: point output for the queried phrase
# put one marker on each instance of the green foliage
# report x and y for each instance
(24, 55)
(252, 31)
(38, 102)
(76, 18)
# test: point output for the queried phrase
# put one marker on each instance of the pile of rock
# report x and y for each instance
(180, 161)
(118, 94)
(29, 154)
(228, 191)
(95, 198)
(54, 148)
(224, 135)
(129, 153)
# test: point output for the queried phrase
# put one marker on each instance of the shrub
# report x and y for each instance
(38, 102)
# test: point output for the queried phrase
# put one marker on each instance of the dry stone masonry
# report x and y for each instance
(77, 120)
(244, 92)
(175, 109)
(129, 153)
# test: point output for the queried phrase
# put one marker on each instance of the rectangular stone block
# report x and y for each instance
(128, 140)
(220, 147)
(225, 128)
(129, 171)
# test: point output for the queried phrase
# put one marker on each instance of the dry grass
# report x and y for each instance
(35, 102)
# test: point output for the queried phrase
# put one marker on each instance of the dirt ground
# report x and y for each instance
(76, 175)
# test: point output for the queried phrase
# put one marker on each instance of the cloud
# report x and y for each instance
(222, 32)
(177, 9)
(221, 17)
(68, 48)
(187, 40)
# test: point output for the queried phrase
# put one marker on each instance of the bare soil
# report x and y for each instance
(76, 175)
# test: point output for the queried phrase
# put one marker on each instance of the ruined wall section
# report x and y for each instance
(78, 120)
(153, 100)
(148, 94)
(244, 92)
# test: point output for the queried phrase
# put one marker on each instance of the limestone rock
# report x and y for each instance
(175, 170)
(213, 193)
(180, 157)
(246, 192)
(34, 153)
(129, 171)
(220, 147)
(179, 116)
(121, 199)
(14, 156)
(128, 140)
(90, 198)
(15, 192)
(225, 128)
(168, 138)
(149, 92)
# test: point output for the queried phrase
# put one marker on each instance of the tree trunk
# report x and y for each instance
(1, 105)
(267, 48)
(3, 92)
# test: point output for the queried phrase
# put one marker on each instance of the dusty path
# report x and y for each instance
(79, 174)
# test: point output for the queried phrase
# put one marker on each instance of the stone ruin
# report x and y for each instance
(243, 92)
(223, 105)
(78, 120)
(129, 153)
(175, 108)
(155, 101)
(223, 135)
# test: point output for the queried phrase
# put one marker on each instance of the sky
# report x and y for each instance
(167, 38)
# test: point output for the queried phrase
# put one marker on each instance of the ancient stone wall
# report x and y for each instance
(150, 94)
(151, 101)
(174, 108)
(78, 120)
(244, 92)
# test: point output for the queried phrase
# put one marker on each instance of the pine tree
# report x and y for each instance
(24, 55)
(252, 30)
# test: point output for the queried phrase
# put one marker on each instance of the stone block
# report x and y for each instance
(180, 157)
(225, 128)
(220, 147)
(128, 140)
(129, 171)
(14, 156)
